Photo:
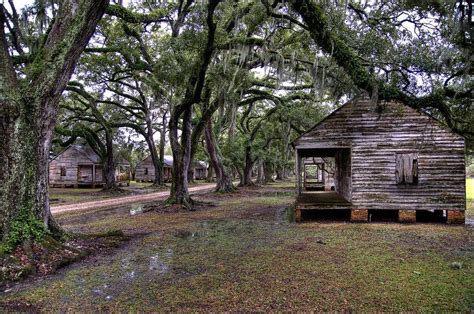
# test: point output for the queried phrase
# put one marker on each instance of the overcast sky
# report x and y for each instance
(21, 3)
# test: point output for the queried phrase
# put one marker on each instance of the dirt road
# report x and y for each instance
(124, 200)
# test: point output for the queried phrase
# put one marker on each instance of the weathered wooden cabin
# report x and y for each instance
(79, 165)
(145, 170)
(387, 157)
(200, 170)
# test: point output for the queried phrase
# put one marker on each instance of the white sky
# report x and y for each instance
(21, 3)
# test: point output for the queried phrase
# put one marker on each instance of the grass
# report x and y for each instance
(470, 189)
(470, 198)
(242, 255)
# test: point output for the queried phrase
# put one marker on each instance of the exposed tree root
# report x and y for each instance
(45, 256)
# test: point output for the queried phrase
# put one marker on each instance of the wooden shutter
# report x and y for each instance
(406, 168)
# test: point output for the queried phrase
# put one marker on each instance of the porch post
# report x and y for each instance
(304, 175)
(93, 175)
(322, 173)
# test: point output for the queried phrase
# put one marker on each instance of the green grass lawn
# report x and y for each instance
(470, 198)
(241, 254)
(470, 189)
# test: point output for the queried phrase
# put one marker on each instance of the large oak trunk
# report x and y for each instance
(155, 158)
(25, 202)
(179, 193)
(224, 180)
(182, 152)
(109, 164)
(246, 176)
(260, 173)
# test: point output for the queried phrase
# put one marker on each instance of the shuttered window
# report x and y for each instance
(407, 168)
(146, 171)
(63, 171)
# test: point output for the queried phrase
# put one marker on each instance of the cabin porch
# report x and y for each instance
(323, 180)
(320, 201)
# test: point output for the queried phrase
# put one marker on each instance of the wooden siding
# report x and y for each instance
(141, 173)
(376, 134)
(200, 173)
(78, 169)
(70, 159)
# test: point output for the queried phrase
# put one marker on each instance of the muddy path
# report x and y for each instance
(119, 201)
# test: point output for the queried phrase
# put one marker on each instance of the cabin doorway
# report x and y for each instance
(324, 179)
(85, 174)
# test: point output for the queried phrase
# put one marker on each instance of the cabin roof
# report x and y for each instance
(89, 153)
(200, 164)
(85, 150)
(354, 100)
(167, 160)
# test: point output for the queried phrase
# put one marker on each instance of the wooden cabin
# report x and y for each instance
(78, 165)
(145, 170)
(200, 170)
(387, 157)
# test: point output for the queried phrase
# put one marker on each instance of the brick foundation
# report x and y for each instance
(455, 216)
(407, 215)
(359, 215)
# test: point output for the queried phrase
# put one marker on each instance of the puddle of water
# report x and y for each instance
(158, 263)
(129, 271)
(136, 209)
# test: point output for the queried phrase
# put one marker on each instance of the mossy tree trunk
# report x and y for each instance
(260, 172)
(182, 147)
(109, 162)
(246, 178)
(155, 158)
(164, 125)
(224, 179)
(25, 204)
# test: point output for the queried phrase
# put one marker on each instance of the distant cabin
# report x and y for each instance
(200, 170)
(388, 158)
(79, 165)
(145, 170)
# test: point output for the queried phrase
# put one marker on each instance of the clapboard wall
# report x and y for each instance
(375, 133)
(145, 171)
(70, 159)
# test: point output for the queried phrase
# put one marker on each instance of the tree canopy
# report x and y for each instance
(232, 82)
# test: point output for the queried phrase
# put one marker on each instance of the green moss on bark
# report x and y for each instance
(23, 228)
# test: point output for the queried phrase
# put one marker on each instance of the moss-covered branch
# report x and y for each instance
(315, 18)
(134, 17)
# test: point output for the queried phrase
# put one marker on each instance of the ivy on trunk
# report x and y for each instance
(25, 203)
